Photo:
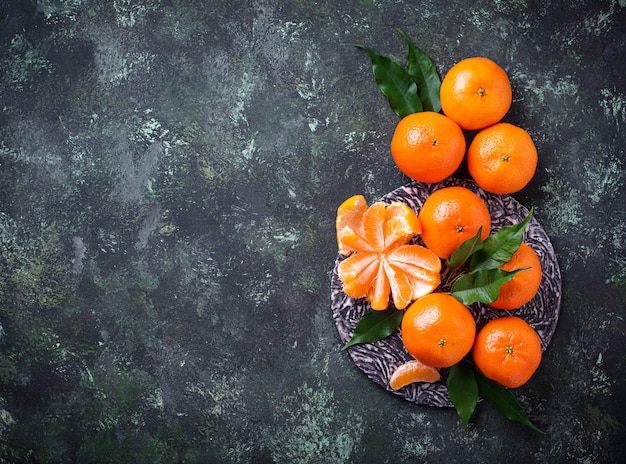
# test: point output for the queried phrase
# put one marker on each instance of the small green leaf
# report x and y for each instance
(483, 286)
(463, 253)
(503, 400)
(375, 325)
(395, 83)
(498, 248)
(423, 71)
(463, 390)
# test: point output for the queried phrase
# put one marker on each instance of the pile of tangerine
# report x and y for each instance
(382, 265)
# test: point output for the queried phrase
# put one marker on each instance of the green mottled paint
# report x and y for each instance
(310, 428)
(170, 176)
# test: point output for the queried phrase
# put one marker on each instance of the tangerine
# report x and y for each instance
(524, 285)
(508, 351)
(387, 224)
(380, 260)
(438, 330)
(450, 216)
(348, 224)
(428, 146)
(476, 93)
(502, 158)
(413, 371)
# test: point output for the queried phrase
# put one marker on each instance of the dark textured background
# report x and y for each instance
(169, 176)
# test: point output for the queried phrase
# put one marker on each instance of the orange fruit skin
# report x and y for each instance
(524, 285)
(428, 146)
(476, 93)
(502, 158)
(508, 351)
(450, 216)
(413, 371)
(438, 330)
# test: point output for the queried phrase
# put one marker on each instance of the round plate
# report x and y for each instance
(378, 360)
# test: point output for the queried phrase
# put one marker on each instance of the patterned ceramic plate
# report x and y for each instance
(378, 360)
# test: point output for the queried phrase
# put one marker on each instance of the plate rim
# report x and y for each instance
(436, 394)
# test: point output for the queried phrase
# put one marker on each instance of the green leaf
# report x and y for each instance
(463, 390)
(483, 286)
(375, 325)
(503, 400)
(395, 83)
(498, 248)
(463, 253)
(423, 71)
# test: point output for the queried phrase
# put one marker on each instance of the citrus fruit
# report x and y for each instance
(348, 224)
(507, 350)
(475, 93)
(524, 285)
(387, 224)
(438, 330)
(450, 216)
(413, 371)
(502, 158)
(380, 260)
(428, 146)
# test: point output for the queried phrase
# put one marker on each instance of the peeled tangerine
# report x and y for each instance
(380, 259)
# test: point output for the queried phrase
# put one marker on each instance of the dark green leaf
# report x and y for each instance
(375, 325)
(503, 400)
(463, 253)
(499, 247)
(395, 83)
(463, 390)
(424, 72)
(483, 286)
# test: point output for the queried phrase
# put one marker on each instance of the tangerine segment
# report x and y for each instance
(415, 258)
(421, 267)
(502, 158)
(407, 272)
(378, 293)
(476, 93)
(401, 290)
(357, 272)
(525, 284)
(450, 216)
(373, 225)
(401, 223)
(363, 229)
(413, 371)
(349, 225)
(417, 272)
(508, 351)
(427, 146)
(438, 330)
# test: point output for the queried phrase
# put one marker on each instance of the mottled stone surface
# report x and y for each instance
(169, 176)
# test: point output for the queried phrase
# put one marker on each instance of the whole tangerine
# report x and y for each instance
(508, 351)
(450, 216)
(476, 93)
(525, 284)
(502, 158)
(428, 146)
(438, 330)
